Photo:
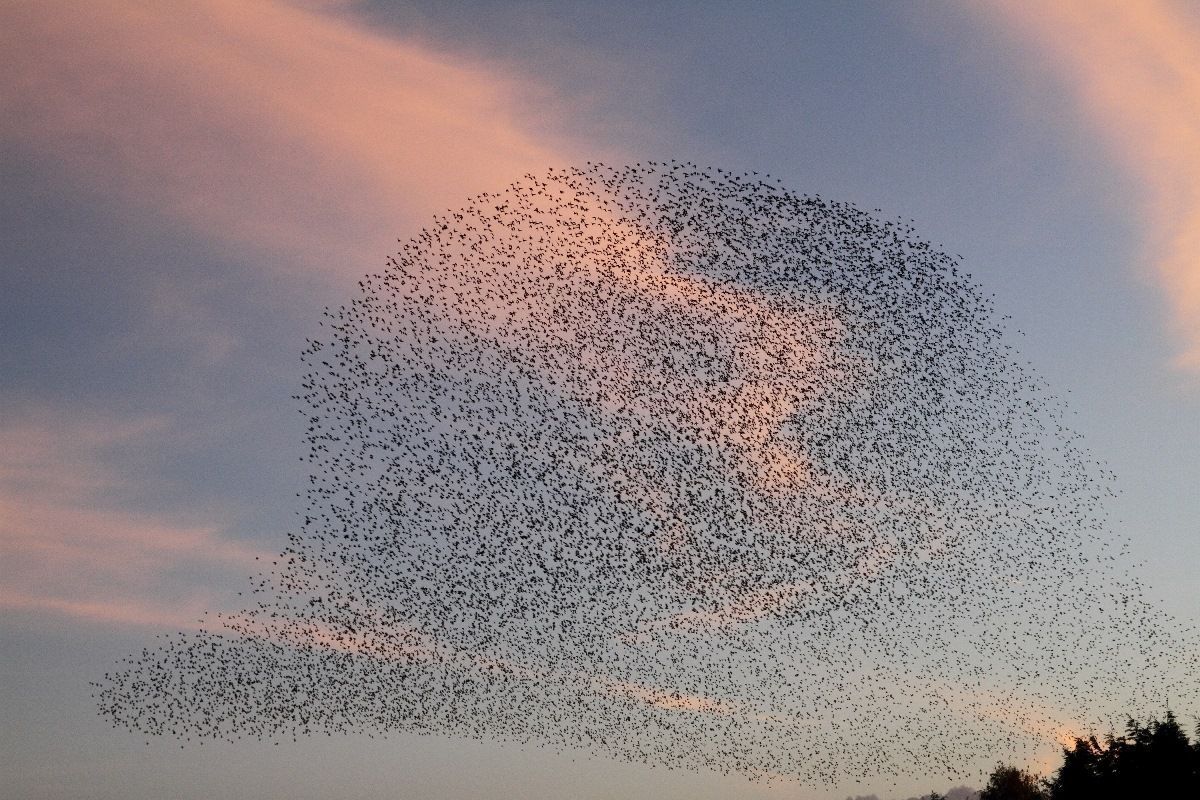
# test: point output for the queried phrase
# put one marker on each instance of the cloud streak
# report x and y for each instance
(263, 125)
(1136, 70)
(68, 548)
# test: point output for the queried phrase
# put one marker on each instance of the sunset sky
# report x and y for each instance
(185, 186)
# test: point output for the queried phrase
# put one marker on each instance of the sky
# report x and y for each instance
(185, 186)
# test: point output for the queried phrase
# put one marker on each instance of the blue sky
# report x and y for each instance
(186, 187)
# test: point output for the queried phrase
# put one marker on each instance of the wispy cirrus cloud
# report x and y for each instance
(1136, 70)
(282, 132)
(68, 547)
(263, 125)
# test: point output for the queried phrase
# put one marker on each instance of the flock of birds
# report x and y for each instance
(676, 466)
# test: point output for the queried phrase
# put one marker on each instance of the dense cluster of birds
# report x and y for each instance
(677, 466)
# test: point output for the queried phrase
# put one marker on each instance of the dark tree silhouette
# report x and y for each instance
(1010, 783)
(1087, 770)
(1153, 760)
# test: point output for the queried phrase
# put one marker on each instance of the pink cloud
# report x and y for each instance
(671, 700)
(1135, 68)
(67, 549)
(265, 125)
(178, 614)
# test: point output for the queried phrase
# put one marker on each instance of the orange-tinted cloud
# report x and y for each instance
(1026, 717)
(68, 549)
(670, 700)
(1136, 69)
(266, 127)
(143, 613)
(262, 124)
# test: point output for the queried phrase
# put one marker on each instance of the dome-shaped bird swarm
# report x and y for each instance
(677, 466)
